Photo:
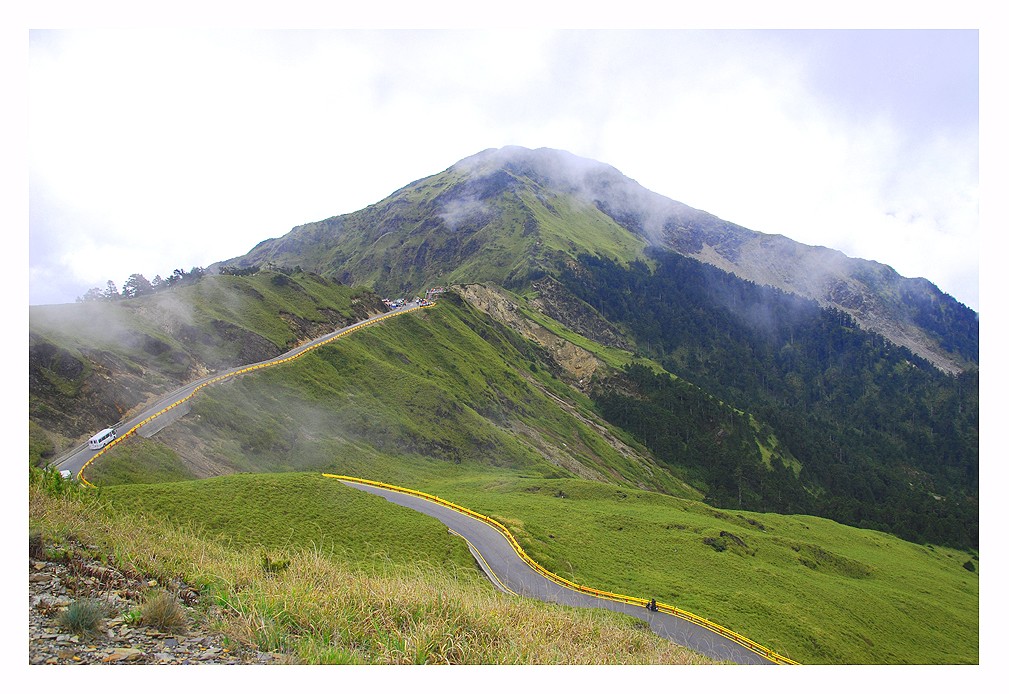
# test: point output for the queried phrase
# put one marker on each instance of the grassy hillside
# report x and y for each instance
(444, 389)
(414, 596)
(285, 512)
(810, 588)
(90, 363)
(456, 226)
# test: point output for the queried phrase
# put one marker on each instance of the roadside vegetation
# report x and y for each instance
(317, 608)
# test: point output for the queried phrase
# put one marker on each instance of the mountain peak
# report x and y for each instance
(509, 214)
(555, 168)
(591, 181)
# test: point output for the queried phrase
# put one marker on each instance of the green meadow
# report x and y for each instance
(279, 512)
(808, 588)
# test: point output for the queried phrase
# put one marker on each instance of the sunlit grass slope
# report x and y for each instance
(806, 587)
(443, 385)
(286, 511)
(417, 599)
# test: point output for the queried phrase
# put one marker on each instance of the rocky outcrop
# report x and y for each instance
(555, 301)
(579, 364)
(59, 576)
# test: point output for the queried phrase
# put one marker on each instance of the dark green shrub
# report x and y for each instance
(716, 543)
(969, 565)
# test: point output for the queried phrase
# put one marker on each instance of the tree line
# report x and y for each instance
(138, 285)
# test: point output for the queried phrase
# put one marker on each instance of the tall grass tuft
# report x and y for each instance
(163, 611)
(36, 544)
(84, 617)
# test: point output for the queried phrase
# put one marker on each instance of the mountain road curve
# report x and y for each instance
(175, 404)
(512, 574)
(497, 554)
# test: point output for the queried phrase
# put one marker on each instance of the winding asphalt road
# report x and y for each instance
(75, 460)
(509, 573)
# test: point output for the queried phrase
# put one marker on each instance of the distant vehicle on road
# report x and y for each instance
(66, 474)
(101, 439)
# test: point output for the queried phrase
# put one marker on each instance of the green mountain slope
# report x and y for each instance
(90, 363)
(867, 380)
(446, 389)
(362, 581)
(818, 591)
(452, 401)
(618, 340)
(465, 224)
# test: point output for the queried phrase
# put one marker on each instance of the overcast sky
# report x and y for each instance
(163, 148)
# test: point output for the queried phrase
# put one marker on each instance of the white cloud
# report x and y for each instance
(165, 149)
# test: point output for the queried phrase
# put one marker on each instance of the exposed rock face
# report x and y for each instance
(556, 301)
(872, 293)
(579, 363)
(71, 394)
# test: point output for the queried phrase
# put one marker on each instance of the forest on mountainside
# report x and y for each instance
(885, 440)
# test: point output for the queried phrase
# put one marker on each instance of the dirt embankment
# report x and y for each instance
(578, 363)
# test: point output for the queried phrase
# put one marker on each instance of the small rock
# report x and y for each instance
(124, 654)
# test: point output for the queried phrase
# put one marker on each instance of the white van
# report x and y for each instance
(101, 439)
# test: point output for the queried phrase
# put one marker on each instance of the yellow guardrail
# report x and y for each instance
(254, 367)
(749, 644)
